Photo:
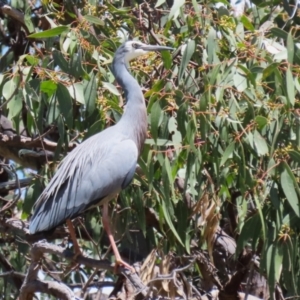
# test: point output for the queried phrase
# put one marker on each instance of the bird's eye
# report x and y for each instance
(135, 46)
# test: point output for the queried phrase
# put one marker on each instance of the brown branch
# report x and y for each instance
(12, 184)
(20, 228)
(14, 13)
(98, 284)
(57, 289)
(13, 274)
(26, 142)
(11, 147)
(32, 285)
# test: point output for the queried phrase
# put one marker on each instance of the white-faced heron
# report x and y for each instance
(104, 164)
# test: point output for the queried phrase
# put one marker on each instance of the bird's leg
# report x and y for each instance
(106, 225)
(73, 237)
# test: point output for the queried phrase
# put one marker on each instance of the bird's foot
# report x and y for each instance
(122, 263)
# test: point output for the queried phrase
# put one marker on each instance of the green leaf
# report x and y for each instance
(27, 20)
(156, 87)
(170, 177)
(274, 264)
(49, 87)
(10, 87)
(290, 48)
(279, 33)
(174, 12)
(290, 86)
(32, 60)
(32, 194)
(269, 70)
(65, 104)
(155, 117)
(250, 232)
(295, 156)
(261, 121)
(90, 93)
(76, 92)
(260, 144)
(214, 74)
(211, 45)
(121, 11)
(227, 153)
(186, 57)
(169, 222)
(49, 33)
(76, 68)
(92, 39)
(159, 142)
(289, 191)
(110, 87)
(240, 81)
(15, 104)
(94, 20)
(247, 23)
(167, 59)
(60, 61)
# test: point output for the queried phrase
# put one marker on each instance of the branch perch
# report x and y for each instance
(58, 289)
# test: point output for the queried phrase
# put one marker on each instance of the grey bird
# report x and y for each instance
(104, 164)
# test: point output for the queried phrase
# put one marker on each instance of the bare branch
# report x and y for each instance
(26, 142)
(12, 184)
(14, 13)
(54, 288)
(32, 285)
(13, 274)
(98, 284)
(14, 147)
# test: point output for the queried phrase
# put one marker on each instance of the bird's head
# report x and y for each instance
(132, 49)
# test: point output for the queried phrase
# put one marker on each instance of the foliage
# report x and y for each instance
(223, 147)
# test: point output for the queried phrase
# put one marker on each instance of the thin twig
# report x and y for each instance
(172, 275)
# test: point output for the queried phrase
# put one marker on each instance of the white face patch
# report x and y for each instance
(134, 53)
(132, 50)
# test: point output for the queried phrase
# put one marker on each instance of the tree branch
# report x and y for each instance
(14, 13)
(13, 147)
(26, 142)
(32, 285)
(12, 184)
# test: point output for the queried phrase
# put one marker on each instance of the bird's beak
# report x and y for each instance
(155, 48)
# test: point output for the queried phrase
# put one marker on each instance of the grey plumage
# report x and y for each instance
(99, 168)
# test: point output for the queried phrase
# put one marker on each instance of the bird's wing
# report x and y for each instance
(88, 175)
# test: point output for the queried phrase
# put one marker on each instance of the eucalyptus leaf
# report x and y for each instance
(65, 104)
(187, 55)
(289, 191)
(49, 33)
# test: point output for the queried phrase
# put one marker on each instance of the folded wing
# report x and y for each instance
(85, 179)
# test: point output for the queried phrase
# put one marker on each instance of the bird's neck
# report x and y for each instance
(134, 119)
